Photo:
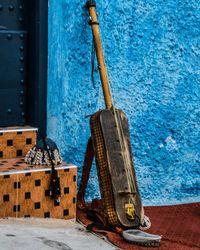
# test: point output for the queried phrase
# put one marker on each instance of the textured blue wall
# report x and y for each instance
(152, 52)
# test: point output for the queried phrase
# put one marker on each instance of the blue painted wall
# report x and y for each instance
(152, 52)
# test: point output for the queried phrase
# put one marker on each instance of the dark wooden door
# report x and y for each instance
(23, 63)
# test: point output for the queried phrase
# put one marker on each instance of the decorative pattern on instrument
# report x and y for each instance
(102, 168)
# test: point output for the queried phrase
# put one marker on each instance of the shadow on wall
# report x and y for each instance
(151, 52)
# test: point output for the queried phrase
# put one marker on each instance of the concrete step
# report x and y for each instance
(48, 234)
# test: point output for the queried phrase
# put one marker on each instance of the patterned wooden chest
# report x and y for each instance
(16, 141)
(24, 190)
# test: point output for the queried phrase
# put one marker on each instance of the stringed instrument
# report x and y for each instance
(112, 149)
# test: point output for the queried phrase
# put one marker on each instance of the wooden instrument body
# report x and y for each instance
(115, 169)
(111, 145)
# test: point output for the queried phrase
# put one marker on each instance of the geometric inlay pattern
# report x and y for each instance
(25, 191)
(16, 142)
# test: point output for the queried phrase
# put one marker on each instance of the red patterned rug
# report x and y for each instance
(179, 226)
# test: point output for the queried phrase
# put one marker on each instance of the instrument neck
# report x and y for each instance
(91, 5)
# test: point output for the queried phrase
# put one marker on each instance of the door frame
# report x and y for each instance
(37, 69)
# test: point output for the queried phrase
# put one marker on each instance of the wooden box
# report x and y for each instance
(16, 141)
(24, 191)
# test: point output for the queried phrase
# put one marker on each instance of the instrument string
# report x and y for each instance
(93, 63)
(123, 147)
